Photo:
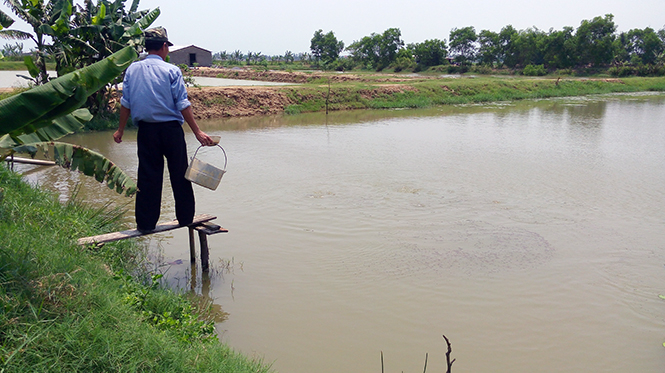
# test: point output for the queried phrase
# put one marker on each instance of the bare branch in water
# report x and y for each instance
(450, 349)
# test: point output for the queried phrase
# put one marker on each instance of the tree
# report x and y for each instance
(237, 56)
(97, 31)
(430, 52)
(595, 41)
(289, 57)
(528, 47)
(325, 47)
(508, 54)
(258, 57)
(389, 44)
(404, 59)
(221, 56)
(12, 50)
(365, 51)
(642, 46)
(377, 51)
(79, 36)
(48, 20)
(560, 49)
(463, 44)
(101, 29)
(489, 48)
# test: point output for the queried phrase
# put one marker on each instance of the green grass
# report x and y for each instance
(69, 309)
(344, 96)
(20, 65)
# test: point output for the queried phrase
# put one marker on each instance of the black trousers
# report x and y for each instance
(155, 142)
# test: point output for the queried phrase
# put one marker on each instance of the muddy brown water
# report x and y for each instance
(530, 234)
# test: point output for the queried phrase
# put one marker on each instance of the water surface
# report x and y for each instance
(530, 234)
(10, 79)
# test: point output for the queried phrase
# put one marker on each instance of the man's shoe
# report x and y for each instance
(145, 231)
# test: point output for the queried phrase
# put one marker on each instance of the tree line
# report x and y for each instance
(594, 44)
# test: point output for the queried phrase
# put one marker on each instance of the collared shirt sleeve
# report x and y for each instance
(125, 100)
(179, 91)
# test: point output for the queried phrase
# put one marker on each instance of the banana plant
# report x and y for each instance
(49, 20)
(98, 30)
(34, 119)
(101, 29)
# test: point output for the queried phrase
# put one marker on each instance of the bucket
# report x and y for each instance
(204, 174)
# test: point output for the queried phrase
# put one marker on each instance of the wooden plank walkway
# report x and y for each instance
(40, 162)
(162, 227)
(201, 224)
(205, 230)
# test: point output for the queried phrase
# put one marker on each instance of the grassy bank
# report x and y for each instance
(377, 93)
(20, 65)
(70, 309)
(432, 92)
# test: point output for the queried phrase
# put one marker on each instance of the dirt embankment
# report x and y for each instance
(222, 102)
(225, 102)
(299, 77)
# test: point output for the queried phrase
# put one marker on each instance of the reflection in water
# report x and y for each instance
(529, 233)
(203, 296)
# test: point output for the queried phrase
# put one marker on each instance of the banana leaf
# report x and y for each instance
(97, 20)
(45, 113)
(23, 12)
(90, 163)
(61, 127)
(135, 5)
(15, 35)
(5, 20)
(145, 22)
(38, 107)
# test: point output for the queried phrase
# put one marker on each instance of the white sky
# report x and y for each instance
(273, 27)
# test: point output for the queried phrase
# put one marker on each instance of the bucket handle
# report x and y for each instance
(223, 151)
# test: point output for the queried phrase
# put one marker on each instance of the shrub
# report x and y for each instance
(481, 69)
(457, 69)
(403, 63)
(564, 72)
(534, 70)
(621, 71)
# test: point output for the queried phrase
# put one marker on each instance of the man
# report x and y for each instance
(155, 97)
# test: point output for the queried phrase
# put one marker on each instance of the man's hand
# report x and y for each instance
(204, 139)
(117, 136)
(124, 116)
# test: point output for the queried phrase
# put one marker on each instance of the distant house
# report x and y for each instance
(190, 55)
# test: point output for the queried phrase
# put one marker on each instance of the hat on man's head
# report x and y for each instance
(157, 34)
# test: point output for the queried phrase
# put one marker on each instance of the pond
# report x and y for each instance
(531, 234)
(11, 79)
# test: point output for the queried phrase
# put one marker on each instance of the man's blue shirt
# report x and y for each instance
(154, 91)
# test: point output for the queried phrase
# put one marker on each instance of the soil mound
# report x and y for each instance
(298, 76)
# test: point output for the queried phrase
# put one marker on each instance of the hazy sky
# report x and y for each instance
(273, 27)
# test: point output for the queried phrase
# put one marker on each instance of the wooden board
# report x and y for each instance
(210, 228)
(40, 162)
(162, 227)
